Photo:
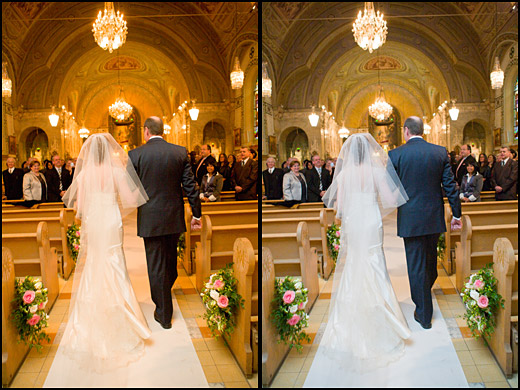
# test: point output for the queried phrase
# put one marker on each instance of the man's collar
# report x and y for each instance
(154, 136)
(415, 136)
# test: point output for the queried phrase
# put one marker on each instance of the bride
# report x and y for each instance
(366, 327)
(106, 328)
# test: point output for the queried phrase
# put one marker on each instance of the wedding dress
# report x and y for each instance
(366, 327)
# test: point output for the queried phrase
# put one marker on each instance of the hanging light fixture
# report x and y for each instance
(83, 132)
(237, 75)
(343, 132)
(314, 118)
(7, 84)
(54, 118)
(454, 111)
(194, 111)
(266, 82)
(380, 110)
(120, 110)
(497, 75)
(370, 30)
(110, 30)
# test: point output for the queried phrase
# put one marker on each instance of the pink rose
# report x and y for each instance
(77, 233)
(483, 302)
(222, 301)
(34, 320)
(337, 233)
(218, 284)
(294, 320)
(289, 296)
(76, 246)
(478, 284)
(336, 246)
(28, 297)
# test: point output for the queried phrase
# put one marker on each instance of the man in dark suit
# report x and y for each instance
(58, 180)
(245, 176)
(273, 180)
(13, 180)
(318, 180)
(422, 168)
(201, 169)
(465, 159)
(504, 176)
(162, 168)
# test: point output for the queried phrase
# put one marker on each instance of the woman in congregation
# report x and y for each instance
(225, 171)
(471, 184)
(69, 166)
(485, 171)
(34, 185)
(294, 185)
(47, 166)
(211, 184)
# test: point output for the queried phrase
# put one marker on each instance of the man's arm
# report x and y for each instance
(190, 187)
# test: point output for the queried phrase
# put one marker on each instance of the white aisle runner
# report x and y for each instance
(430, 359)
(169, 360)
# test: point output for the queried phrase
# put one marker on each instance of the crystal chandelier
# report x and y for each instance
(314, 118)
(194, 111)
(54, 118)
(343, 132)
(110, 30)
(83, 132)
(370, 30)
(266, 82)
(7, 84)
(497, 76)
(380, 110)
(120, 110)
(237, 76)
(454, 111)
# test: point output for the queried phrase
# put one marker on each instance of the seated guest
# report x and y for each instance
(273, 180)
(294, 185)
(471, 184)
(224, 169)
(34, 185)
(504, 176)
(200, 172)
(318, 180)
(466, 158)
(58, 180)
(13, 180)
(245, 176)
(211, 185)
(485, 171)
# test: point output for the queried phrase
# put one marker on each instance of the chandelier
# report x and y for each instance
(454, 111)
(370, 30)
(194, 111)
(497, 76)
(110, 30)
(120, 110)
(380, 110)
(343, 132)
(7, 84)
(266, 82)
(237, 76)
(83, 132)
(314, 118)
(54, 118)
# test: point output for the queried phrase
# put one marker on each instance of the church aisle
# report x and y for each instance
(173, 361)
(476, 361)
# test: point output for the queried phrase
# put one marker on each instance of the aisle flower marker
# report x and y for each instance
(288, 315)
(28, 315)
(482, 302)
(73, 241)
(333, 241)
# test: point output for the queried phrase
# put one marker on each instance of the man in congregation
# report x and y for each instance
(465, 159)
(273, 179)
(13, 180)
(245, 176)
(318, 180)
(504, 176)
(206, 157)
(58, 180)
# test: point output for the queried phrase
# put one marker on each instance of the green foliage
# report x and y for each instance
(480, 317)
(219, 318)
(23, 312)
(333, 241)
(181, 245)
(73, 241)
(284, 311)
(441, 246)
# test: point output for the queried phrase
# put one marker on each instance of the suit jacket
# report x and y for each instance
(471, 189)
(422, 168)
(201, 171)
(461, 171)
(32, 188)
(313, 183)
(273, 183)
(164, 170)
(53, 183)
(211, 189)
(292, 188)
(13, 183)
(246, 177)
(505, 177)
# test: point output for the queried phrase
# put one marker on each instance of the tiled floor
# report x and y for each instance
(218, 363)
(478, 363)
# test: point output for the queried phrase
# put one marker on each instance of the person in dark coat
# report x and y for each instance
(245, 176)
(504, 177)
(164, 170)
(466, 158)
(318, 180)
(13, 180)
(273, 180)
(58, 180)
(224, 169)
(201, 170)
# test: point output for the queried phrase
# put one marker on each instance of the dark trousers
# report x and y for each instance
(161, 258)
(421, 259)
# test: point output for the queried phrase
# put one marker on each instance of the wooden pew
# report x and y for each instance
(313, 205)
(34, 256)
(318, 221)
(475, 249)
(225, 196)
(13, 353)
(241, 342)
(50, 205)
(472, 209)
(273, 353)
(485, 196)
(57, 226)
(215, 248)
(293, 255)
(505, 266)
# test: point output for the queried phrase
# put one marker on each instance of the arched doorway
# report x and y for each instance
(297, 145)
(214, 135)
(37, 145)
(474, 134)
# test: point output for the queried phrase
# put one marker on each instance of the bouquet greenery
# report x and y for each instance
(221, 300)
(482, 302)
(333, 240)
(28, 315)
(289, 315)
(73, 241)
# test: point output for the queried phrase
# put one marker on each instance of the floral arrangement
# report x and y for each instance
(28, 316)
(221, 300)
(482, 302)
(73, 240)
(289, 315)
(441, 246)
(181, 246)
(333, 240)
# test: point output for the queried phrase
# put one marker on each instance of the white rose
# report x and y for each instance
(38, 291)
(293, 308)
(474, 294)
(44, 290)
(36, 280)
(298, 291)
(305, 304)
(298, 285)
(304, 290)
(213, 294)
(38, 285)
(33, 308)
